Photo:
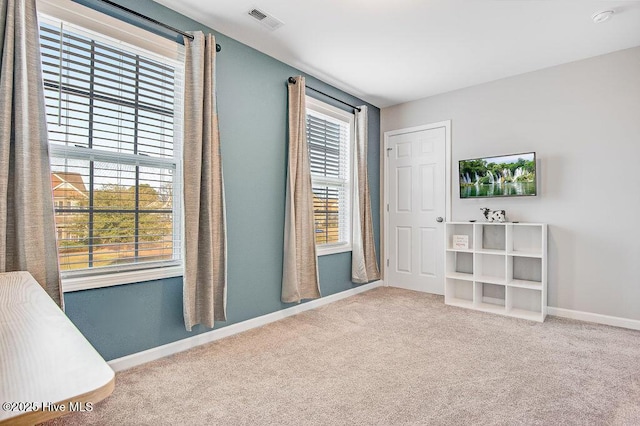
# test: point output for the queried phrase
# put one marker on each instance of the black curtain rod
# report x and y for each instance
(162, 24)
(292, 80)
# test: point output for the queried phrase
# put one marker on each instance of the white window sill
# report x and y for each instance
(332, 249)
(70, 284)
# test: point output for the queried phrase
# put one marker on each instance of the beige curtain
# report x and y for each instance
(300, 264)
(205, 245)
(364, 265)
(27, 226)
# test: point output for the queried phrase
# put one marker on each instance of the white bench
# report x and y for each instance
(47, 367)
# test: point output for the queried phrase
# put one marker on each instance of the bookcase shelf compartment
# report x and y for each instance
(459, 293)
(460, 229)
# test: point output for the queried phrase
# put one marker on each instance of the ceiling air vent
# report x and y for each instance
(265, 19)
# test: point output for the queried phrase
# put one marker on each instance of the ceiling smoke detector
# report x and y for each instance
(266, 19)
(602, 16)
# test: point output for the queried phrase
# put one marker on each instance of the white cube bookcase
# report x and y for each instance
(503, 270)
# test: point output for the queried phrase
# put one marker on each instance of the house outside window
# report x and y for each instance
(330, 136)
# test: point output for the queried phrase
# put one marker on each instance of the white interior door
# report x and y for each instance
(417, 188)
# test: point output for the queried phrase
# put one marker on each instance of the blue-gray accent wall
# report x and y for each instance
(252, 105)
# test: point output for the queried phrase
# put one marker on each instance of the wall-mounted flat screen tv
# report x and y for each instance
(501, 176)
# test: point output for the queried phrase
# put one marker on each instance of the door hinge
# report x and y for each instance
(387, 262)
(388, 149)
(387, 206)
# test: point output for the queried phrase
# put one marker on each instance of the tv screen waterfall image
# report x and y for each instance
(503, 176)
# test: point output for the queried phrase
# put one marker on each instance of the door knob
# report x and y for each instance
(439, 219)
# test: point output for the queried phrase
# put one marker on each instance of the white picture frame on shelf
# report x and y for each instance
(461, 242)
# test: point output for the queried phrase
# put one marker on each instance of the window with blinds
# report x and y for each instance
(329, 133)
(113, 115)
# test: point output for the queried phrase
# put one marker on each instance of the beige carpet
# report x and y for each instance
(386, 357)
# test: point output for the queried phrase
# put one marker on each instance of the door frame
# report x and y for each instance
(385, 193)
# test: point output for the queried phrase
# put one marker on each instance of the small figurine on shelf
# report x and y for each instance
(493, 215)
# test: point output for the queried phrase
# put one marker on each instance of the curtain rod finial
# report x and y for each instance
(292, 80)
(218, 47)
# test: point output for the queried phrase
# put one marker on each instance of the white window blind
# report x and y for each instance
(113, 114)
(329, 141)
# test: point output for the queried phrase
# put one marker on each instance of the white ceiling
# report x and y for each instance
(392, 51)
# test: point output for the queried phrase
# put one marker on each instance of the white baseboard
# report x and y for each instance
(152, 354)
(597, 318)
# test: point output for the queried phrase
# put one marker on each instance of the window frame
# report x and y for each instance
(321, 107)
(136, 38)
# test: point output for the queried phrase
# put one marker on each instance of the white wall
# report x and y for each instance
(583, 121)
